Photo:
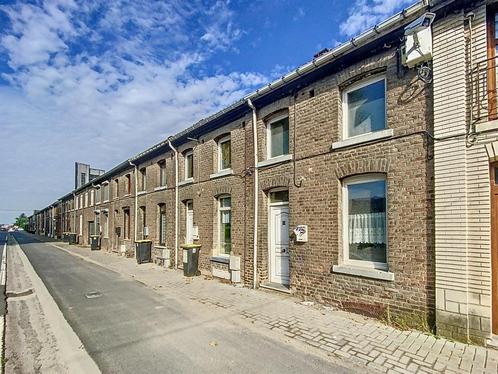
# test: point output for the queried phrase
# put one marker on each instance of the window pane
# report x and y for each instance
(190, 166)
(367, 221)
(225, 226)
(225, 155)
(279, 134)
(279, 197)
(366, 109)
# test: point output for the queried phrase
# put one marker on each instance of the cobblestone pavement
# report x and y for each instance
(359, 340)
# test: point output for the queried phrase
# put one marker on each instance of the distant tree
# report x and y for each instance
(22, 221)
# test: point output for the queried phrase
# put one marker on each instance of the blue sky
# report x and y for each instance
(99, 81)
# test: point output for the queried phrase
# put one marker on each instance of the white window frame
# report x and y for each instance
(76, 198)
(98, 195)
(92, 197)
(374, 177)
(105, 191)
(81, 225)
(116, 188)
(270, 122)
(218, 225)
(86, 199)
(159, 224)
(355, 86)
(106, 225)
(185, 166)
(223, 140)
(162, 173)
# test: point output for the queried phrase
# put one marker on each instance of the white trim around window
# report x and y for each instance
(356, 180)
(356, 86)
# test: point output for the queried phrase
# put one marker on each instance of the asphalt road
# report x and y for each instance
(129, 328)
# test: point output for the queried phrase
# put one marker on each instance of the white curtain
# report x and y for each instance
(367, 228)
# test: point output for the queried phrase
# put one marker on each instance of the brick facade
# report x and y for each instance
(313, 174)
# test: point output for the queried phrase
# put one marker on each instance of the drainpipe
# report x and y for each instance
(256, 195)
(135, 219)
(73, 226)
(175, 152)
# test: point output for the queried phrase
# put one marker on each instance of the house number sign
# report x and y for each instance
(301, 232)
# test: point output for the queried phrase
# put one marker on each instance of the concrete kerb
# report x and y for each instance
(3, 282)
(71, 347)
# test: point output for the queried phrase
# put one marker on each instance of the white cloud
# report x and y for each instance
(366, 13)
(100, 92)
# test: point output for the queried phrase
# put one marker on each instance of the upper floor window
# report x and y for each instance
(116, 188)
(86, 199)
(189, 164)
(92, 197)
(143, 179)
(365, 221)
(364, 107)
(162, 173)
(105, 191)
(128, 184)
(224, 153)
(278, 136)
(492, 36)
(97, 195)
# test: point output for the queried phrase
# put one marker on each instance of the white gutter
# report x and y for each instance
(135, 218)
(176, 201)
(256, 193)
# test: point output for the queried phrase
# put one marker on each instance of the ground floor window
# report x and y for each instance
(162, 224)
(126, 223)
(143, 217)
(106, 225)
(225, 225)
(364, 221)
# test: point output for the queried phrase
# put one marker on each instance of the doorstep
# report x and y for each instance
(492, 342)
(276, 287)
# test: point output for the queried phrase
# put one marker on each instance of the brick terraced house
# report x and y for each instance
(361, 179)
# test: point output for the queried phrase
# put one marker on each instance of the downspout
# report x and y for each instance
(135, 219)
(175, 152)
(256, 193)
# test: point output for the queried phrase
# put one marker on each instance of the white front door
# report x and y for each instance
(279, 244)
(190, 223)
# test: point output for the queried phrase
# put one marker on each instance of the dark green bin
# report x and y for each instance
(95, 242)
(191, 259)
(143, 251)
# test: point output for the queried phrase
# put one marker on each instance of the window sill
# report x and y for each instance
(97, 203)
(186, 181)
(365, 138)
(487, 126)
(160, 188)
(364, 272)
(221, 173)
(141, 193)
(275, 160)
(105, 201)
(220, 259)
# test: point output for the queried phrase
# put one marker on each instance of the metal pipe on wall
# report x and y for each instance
(175, 152)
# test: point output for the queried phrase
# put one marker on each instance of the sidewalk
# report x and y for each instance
(357, 339)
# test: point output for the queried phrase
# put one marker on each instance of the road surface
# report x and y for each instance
(128, 328)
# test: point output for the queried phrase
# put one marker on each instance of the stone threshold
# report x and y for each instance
(276, 287)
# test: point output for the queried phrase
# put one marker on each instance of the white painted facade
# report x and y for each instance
(461, 173)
